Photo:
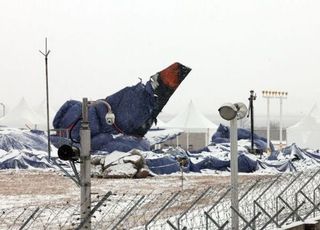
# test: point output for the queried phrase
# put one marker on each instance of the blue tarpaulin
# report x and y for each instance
(135, 109)
(222, 135)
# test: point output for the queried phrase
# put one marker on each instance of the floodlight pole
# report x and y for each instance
(274, 94)
(45, 54)
(251, 99)
(85, 170)
(234, 173)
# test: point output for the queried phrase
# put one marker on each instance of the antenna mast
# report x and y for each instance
(45, 54)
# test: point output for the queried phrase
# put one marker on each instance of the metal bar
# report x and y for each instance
(76, 174)
(94, 210)
(270, 185)
(308, 181)
(292, 213)
(246, 193)
(314, 197)
(251, 221)
(215, 223)
(129, 211)
(267, 214)
(239, 215)
(192, 205)
(313, 210)
(288, 186)
(272, 218)
(314, 205)
(65, 172)
(171, 225)
(30, 217)
(219, 200)
(161, 209)
(14, 222)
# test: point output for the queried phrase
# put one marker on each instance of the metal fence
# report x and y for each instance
(267, 203)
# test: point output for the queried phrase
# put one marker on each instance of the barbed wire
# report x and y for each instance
(264, 203)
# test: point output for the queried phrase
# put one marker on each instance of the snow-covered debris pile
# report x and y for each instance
(22, 139)
(24, 149)
(222, 135)
(119, 165)
(295, 157)
(158, 136)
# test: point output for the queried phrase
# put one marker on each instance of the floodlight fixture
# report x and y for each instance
(229, 111)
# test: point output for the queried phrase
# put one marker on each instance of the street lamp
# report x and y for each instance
(233, 112)
(274, 94)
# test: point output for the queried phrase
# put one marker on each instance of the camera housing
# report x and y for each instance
(110, 118)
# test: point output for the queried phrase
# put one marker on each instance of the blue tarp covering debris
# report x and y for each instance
(27, 149)
(169, 162)
(24, 149)
(222, 135)
(135, 109)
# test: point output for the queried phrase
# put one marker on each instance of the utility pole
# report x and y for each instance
(72, 153)
(45, 54)
(232, 113)
(85, 166)
(251, 99)
(234, 173)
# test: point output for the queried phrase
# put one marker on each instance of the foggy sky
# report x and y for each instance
(99, 47)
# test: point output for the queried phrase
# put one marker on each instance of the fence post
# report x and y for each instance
(161, 209)
(83, 222)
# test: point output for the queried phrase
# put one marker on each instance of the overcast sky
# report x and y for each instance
(99, 47)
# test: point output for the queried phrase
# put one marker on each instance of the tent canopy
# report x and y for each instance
(22, 116)
(191, 119)
(306, 132)
(41, 110)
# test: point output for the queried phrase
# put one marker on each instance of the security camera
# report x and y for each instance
(110, 118)
(69, 153)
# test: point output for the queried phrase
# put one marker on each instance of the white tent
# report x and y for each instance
(192, 121)
(22, 116)
(42, 111)
(306, 133)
